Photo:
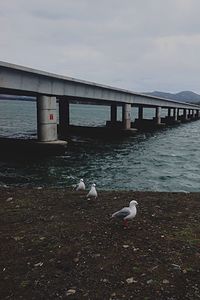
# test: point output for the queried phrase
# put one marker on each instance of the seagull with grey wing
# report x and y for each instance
(126, 213)
(92, 192)
(80, 185)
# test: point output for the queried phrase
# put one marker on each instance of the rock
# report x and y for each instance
(165, 281)
(125, 246)
(131, 280)
(18, 238)
(176, 267)
(97, 255)
(70, 292)
(9, 199)
(150, 281)
(76, 259)
(38, 264)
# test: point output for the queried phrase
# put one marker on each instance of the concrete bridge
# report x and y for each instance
(49, 88)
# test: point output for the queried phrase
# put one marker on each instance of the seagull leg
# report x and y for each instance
(126, 223)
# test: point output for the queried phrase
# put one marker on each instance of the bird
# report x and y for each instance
(80, 185)
(92, 192)
(126, 213)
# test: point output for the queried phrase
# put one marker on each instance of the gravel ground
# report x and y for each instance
(56, 244)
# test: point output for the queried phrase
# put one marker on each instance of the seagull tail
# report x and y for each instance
(113, 215)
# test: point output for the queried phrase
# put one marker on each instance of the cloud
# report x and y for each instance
(139, 45)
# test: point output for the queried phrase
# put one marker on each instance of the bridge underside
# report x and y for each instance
(50, 89)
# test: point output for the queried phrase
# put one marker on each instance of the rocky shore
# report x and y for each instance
(56, 244)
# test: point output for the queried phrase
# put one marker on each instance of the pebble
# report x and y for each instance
(176, 267)
(165, 281)
(150, 281)
(9, 199)
(125, 246)
(76, 259)
(97, 255)
(131, 280)
(70, 292)
(38, 264)
(18, 238)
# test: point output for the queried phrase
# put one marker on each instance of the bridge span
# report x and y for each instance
(51, 88)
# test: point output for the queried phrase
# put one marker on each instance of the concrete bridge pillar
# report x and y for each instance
(197, 114)
(126, 116)
(46, 119)
(140, 113)
(63, 113)
(158, 115)
(185, 114)
(178, 113)
(193, 113)
(169, 112)
(113, 113)
(175, 114)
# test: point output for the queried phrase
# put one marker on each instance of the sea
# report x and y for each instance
(165, 160)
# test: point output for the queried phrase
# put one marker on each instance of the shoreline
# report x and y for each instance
(58, 245)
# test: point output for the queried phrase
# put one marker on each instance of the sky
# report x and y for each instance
(140, 45)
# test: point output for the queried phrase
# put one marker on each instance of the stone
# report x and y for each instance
(70, 292)
(165, 281)
(131, 280)
(150, 281)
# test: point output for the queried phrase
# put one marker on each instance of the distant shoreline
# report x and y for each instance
(17, 98)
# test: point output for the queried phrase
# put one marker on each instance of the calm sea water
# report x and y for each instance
(166, 160)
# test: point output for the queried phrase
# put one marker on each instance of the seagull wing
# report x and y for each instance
(122, 213)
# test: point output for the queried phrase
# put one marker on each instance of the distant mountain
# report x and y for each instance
(185, 96)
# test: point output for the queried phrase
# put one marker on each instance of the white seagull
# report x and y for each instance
(126, 213)
(80, 185)
(92, 192)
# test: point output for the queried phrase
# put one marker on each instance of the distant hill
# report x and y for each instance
(185, 96)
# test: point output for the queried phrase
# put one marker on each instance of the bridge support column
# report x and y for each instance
(113, 113)
(126, 116)
(158, 115)
(197, 114)
(63, 115)
(175, 114)
(178, 113)
(140, 113)
(193, 114)
(185, 115)
(169, 112)
(46, 119)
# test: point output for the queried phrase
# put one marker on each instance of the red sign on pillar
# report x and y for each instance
(51, 117)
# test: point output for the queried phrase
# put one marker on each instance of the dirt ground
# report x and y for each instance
(56, 244)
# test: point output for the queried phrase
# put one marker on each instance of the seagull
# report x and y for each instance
(92, 192)
(126, 213)
(80, 185)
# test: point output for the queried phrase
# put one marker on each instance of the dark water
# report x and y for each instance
(167, 160)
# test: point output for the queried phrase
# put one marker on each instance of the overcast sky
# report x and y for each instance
(141, 45)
